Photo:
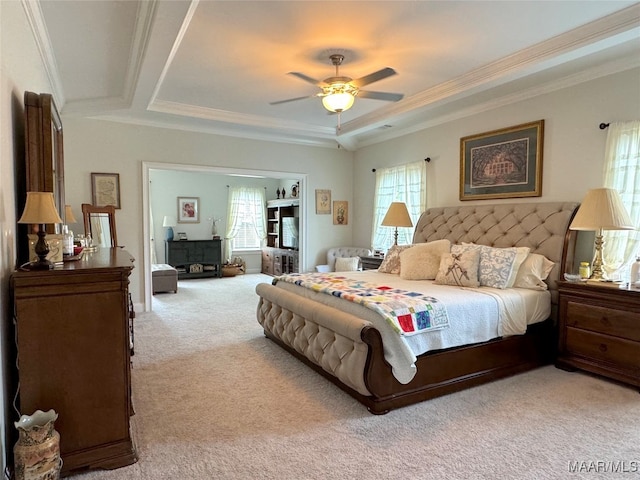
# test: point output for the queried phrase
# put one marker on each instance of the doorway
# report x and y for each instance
(220, 176)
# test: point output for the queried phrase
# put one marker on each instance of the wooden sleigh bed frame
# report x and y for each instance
(348, 350)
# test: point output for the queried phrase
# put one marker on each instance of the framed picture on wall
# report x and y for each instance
(323, 202)
(340, 212)
(188, 210)
(105, 189)
(504, 163)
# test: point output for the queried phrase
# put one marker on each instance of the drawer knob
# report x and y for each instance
(605, 321)
(603, 347)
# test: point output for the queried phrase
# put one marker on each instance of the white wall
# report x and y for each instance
(101, 146)
(21, 69)
(573, 145)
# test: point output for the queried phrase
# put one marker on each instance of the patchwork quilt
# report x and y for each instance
(407, 312)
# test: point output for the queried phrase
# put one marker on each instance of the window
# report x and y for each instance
(404, 183)
(622, 172)
(245, 219)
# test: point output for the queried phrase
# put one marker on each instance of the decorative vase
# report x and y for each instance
(37, 451)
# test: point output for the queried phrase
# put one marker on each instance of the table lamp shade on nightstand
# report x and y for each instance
(397, 216)
(601, 209)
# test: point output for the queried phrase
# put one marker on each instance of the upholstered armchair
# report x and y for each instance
(343, 252)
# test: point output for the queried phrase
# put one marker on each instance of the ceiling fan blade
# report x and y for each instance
(373, 77)
(306, 78)
(389, 97)
(291, 100)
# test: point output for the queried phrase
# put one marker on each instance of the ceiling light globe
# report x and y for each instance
(338, 102)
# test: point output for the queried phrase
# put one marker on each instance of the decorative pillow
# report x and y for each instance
(421, 261)
(347, 264)
(459, 269)
(391, 262)
(533, 272)
(496, 264)
(521, 255)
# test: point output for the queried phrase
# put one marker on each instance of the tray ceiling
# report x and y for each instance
(215, 66)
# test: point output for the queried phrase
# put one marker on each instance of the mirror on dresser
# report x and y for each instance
(44, 149)
(44, 160)
(100, 223)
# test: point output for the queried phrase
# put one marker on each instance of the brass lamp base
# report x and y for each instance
(596, 272)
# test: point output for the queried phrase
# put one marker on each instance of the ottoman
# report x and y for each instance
(164, 278)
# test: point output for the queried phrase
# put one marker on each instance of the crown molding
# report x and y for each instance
(43, 43)
(141, 37)
(227, 131)
(570, 45)
(594, 73)
(244, 120)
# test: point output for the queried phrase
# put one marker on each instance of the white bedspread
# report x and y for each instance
(475, 315)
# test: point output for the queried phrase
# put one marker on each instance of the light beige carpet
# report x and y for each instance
(215, 399)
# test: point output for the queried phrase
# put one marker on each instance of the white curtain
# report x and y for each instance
(622, 172)
(404, 183)
(245, 203)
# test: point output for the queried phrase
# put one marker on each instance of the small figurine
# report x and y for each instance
(278, 192)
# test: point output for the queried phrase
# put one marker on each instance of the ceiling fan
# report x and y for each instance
(338, 93)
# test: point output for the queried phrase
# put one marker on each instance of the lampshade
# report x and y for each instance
(397, 216)
(40, 208)
(602, 209)
(68, 215)
(169, 221)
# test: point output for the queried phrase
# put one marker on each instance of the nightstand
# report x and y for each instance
(371, 263)
(599, 330)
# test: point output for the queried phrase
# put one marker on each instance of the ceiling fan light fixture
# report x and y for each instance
(338, 102)
(339, 97)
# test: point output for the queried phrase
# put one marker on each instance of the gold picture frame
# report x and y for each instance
(340, 212)
(323, 202)
(505, 163)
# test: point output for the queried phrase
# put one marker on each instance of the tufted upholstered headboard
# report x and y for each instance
(543, 227)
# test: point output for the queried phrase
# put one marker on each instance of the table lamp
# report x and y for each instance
(40, 209)
(169, 222)
(397, 216)
(69, 217)
(601, 209)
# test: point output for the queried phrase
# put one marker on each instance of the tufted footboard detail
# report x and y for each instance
(328, 339)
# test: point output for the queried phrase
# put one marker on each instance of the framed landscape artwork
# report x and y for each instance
(504, 163)
(105, 189)
(188, 210)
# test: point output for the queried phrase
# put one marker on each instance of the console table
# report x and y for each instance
(195, 258)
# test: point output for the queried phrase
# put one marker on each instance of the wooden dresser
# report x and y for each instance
(73, 338)
(600, 330)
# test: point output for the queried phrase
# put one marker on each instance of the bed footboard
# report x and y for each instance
(326, 338)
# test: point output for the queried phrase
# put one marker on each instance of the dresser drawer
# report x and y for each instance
(604, 347)
(604, 320)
